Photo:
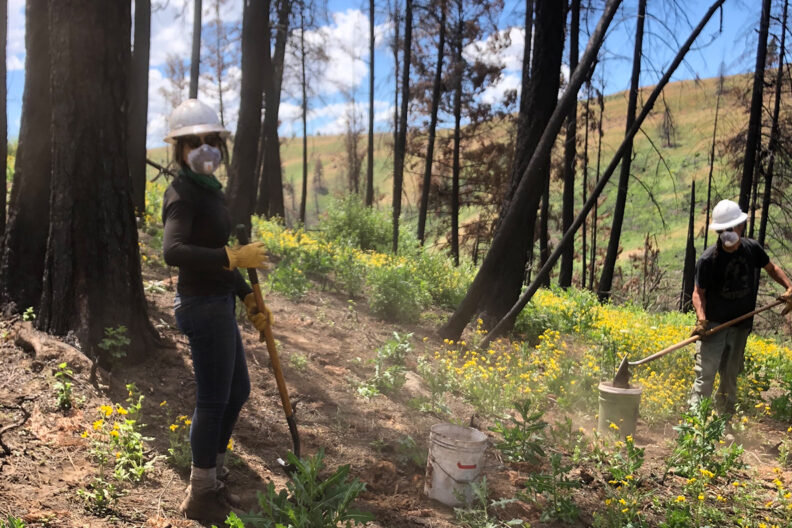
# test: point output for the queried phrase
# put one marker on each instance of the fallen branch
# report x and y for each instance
(25, 415)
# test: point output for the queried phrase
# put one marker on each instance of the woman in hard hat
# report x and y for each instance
(197, 227)
(726, 286)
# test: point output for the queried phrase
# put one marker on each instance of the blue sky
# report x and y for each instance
(345, 37)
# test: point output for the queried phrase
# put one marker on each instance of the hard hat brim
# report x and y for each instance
(732, 223)
(194, 130)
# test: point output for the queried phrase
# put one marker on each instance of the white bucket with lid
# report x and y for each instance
(456, 455)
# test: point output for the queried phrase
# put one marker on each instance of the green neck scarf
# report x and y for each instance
(207, 181)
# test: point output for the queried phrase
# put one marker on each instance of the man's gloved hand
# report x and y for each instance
(700, 329)
(247, 256)
(259, 319)
(787, 298)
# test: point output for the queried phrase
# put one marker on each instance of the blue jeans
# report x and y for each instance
(221, 374)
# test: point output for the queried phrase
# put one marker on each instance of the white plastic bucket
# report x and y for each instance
(455, 458)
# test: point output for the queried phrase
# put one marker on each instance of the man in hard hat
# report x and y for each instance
(725, 288)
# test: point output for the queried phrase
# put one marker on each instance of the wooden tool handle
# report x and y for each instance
(266, 335)
(693, 339)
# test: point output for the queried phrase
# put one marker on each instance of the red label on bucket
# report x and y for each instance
(462, 466)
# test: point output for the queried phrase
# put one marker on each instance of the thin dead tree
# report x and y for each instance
(370, 156)
(612, 254)
(507, 321)
(718, 95)
(774, 132)
(401, 140)
(195, 61)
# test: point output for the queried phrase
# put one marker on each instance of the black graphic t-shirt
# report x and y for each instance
(730, 280)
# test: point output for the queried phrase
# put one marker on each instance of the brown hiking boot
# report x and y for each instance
(206, 505)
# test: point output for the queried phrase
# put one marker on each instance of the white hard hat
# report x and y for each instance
(726, 214)
(193, 117)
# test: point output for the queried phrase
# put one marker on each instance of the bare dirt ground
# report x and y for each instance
(49, 461)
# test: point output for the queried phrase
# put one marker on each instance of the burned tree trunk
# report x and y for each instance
(753, 138)
(370, 158)
(25, 241)
(401, 140)
(241, 192)
(570, 153)
(195, 60)
(270, 193)
(138, 104)
(712, 156)
(688, 272)
(609, 265)
(92, 276)
(436, 89)
(774, 132)
(3, 115)
(539, 101)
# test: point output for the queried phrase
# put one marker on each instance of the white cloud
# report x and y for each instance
(15, 58)
(333, 118)
(495, 92)
(171, 32)
(494, 49)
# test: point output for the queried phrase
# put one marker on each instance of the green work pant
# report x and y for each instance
(721, 353)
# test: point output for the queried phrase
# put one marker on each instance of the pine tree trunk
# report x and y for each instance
(712, 158)
(195, 61)
(398, 162)
(303, 196)
(502, 250)
(92, 276)
(270, 193)
(459, 68)
(138, 104)
(753, 138)
(25, 241)
(583, 229)
(241, 191)
(688, 272)
(436, 90)
(612, 254)
(537, 104)
(570, 153)
(370, 157)
(3, 116)
(396, 47)
(774, 132)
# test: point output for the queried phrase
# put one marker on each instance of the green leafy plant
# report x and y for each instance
(556, 488)
(395, 293)
(350, 222)
(522, 438)
(99, 496)
(410, 453)
(179, 449)
(115, 343)
(232, 521)
(309, 500)
(479, 514)
(624, 495)
(63, 387)
(298, 361)
(29, 314)
(697, 443)
(11, 522)
(389, 372)
(289, 279)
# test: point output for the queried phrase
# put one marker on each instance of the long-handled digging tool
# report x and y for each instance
(622, 378)
(266, 335)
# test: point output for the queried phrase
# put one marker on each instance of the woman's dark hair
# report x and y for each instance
(178, 148)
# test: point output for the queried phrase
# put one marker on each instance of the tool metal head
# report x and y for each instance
(622, 377)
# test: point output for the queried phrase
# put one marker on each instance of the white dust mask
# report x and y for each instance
(729, 239)
(204, 159)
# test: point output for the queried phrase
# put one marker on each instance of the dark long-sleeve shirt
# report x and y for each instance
(197, 226)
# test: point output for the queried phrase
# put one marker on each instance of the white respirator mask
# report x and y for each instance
(729, 239)
(204, 159)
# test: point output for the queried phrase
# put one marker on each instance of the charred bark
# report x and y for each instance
(753, 138)
(370, 158)
(25, 241)
(92, 276)
(242, 174)
(195, 60)
(430, 142)
(570, 153)
(401, 144)
(138, 104)
(609, 265)
(688, 272)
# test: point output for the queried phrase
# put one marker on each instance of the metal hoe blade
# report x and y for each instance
(622, 378)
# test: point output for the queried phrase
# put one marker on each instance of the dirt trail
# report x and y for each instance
(50, 461)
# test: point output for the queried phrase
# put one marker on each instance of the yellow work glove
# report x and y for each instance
(259, 319)
(787, 298)
(700, 329)
(247, 256)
